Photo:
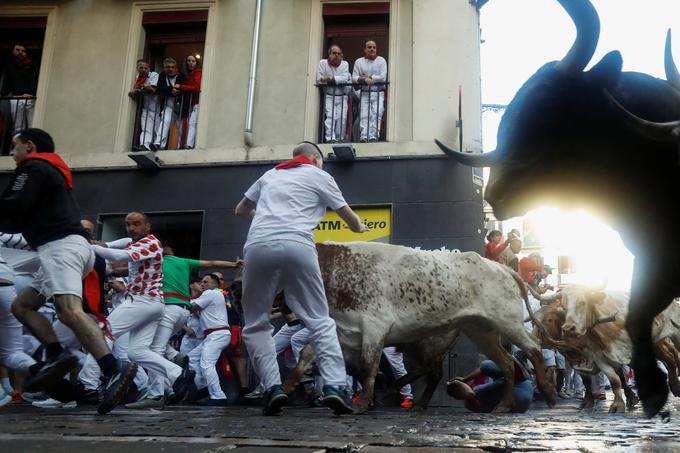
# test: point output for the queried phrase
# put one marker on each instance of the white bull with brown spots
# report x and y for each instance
(594, 326)
(382, 295)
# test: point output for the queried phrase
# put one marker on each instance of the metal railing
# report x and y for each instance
(16, 113)
(165, 122)
(352, 112)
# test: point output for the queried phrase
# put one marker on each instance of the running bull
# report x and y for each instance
(387, 295)
(587, 325)
(606, 140)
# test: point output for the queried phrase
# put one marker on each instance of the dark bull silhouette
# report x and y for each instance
(576, 138)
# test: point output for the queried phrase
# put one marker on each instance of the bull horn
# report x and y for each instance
(542, 297)
(587, 24)
(669, 131)
(469, 159)
(672, 74)
(606, 319)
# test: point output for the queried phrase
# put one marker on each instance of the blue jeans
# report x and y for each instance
(490, 394)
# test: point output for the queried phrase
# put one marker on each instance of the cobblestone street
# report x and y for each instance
(243, 429)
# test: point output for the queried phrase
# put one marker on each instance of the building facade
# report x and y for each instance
(258, 98)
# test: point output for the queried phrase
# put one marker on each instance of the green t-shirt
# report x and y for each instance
(176, 273)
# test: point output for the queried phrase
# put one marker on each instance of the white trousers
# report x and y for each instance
(147, 120)
(12, 353)
(22, 113)
(204, 357)
(90, 373)
(371, 113)
(396, 361)
(189, 344)
(335, 109)
(172, 321)
(294, 268)
(193, 124)
(167, 115)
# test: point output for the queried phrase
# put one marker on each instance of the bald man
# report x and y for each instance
(284, 206)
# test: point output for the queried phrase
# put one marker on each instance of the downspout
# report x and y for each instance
(248, 132)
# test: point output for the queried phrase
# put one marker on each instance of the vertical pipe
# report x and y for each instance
(248, 132)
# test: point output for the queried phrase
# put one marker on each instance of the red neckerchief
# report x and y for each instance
(332, 63)
(140, 80)
(55, 161)
(26, 61)
(295, 162)
(368, 57)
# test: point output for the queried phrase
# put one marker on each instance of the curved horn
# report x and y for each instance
(606, 319)
(669, 131)
(672, 74)
(543, 298)
(473, 160)
(587, 25)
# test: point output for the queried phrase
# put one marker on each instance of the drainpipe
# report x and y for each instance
(248, 132)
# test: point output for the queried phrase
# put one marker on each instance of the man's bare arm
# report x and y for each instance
(246, 209)
(351, 219)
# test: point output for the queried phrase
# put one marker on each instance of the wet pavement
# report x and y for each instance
(242, 429)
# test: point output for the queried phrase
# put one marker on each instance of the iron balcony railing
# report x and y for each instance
(16, 113)
(351, 112)
(165, 122)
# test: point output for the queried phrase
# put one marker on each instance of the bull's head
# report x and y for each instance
(559, 141)
(582, 310)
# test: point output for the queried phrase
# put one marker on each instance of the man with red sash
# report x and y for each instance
(38, 203)
(284, 206)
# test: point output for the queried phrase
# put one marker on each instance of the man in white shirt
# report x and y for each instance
(203, 358)
(167, 99)
(333, 77)
(280, 255)
(368, 71)
(144, 92)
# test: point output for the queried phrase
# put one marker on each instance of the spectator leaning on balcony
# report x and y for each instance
(191, 91)
(20, 79)
(144, 92)
(331, 72)
(368, 71)
(169, 101)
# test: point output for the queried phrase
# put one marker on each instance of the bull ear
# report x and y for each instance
(607, 71)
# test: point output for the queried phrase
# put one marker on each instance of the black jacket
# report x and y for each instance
(20, 78)
(163, 90)
(38, 203)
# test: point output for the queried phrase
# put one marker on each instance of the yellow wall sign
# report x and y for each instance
(333, 228)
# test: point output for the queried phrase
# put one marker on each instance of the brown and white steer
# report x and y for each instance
(383, 295)
(594, 328)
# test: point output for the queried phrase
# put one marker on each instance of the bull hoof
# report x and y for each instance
(652, 390)
(617, 407)
(586, 406)
(502, 408)
(362, 406)
(632, 402)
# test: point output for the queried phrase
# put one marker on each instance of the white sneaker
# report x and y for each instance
(54, 404)
(5, 399)
(31, 397)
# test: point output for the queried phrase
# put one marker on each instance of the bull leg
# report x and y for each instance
(488, 341)
(631, 398)
(619, 405)
(371, 350)
(522, 340)
(307, 356)
(647, 300)
(664, 353)
(432, 380)
(588, 401)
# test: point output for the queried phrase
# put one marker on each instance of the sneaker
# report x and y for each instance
(115, 388)
(336, 399)
(54, 404)
(52, 372)
(30, 397)
(356, 397)
(147, 403)
(407, 403)
(255, 394)
(181, 386)
(16, 398)
(274, 399)
(5, 399)
(214, 402)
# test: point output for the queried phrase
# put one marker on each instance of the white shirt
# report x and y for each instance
(377, 69)
(16, 256)
(291, 203)
(213, 309)
(339, 74)
(195, 323)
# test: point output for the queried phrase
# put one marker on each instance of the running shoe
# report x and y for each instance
(407, 403)
(338, 400)
(50, 403)
(274, 399)
(51, 372)
(114, 389)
